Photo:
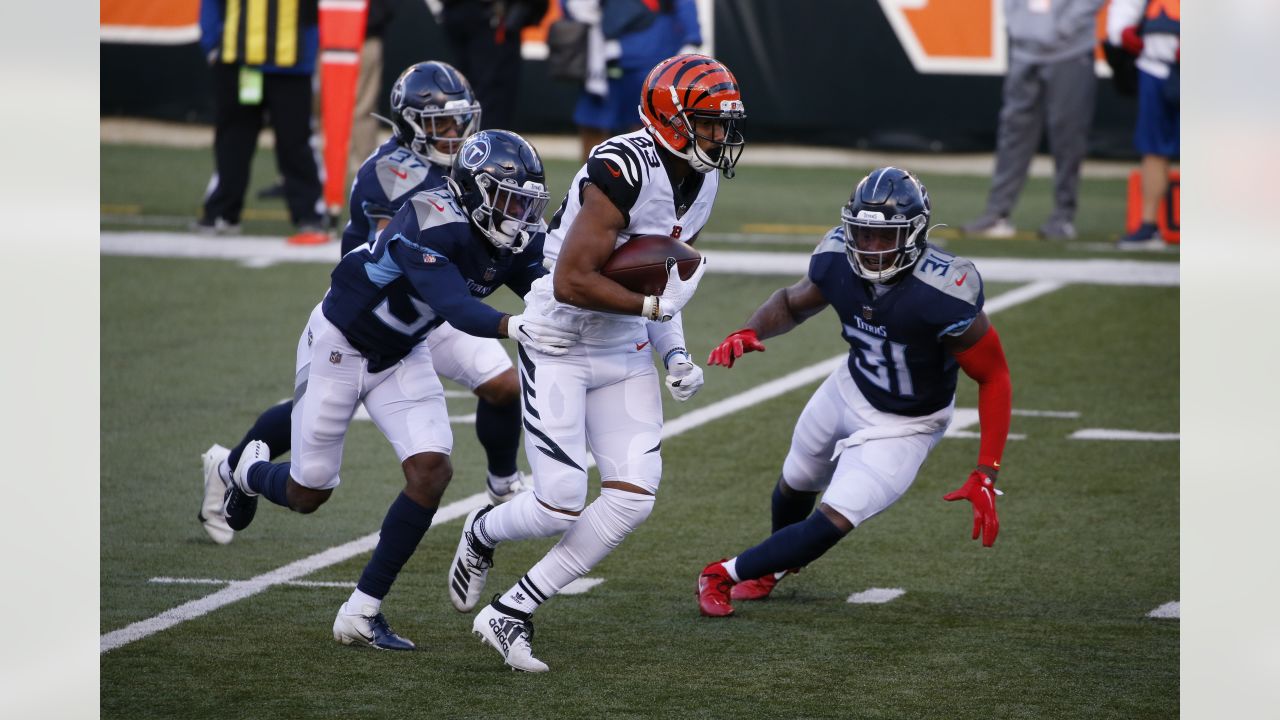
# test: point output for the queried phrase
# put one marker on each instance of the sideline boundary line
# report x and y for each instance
(241, 589)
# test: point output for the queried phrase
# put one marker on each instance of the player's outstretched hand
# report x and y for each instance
(541, 336)
(678, 291)
(980, 490)
(684, 378)
(735, 346)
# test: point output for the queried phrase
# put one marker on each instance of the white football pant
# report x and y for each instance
(880, 452)
(406, 402)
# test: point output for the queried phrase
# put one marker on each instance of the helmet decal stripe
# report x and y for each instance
(713, 90)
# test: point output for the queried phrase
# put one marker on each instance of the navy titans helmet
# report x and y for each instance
(498, 177)
(433, 110)
(885, 224)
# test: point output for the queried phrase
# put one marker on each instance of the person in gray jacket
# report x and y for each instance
(1050, 82)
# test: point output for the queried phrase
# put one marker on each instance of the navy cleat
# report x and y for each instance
(240, 504)
(367, 627)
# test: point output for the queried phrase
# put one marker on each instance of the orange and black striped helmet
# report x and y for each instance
(685, 88)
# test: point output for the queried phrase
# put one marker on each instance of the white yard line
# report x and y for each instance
(580, 586)
(240, 590)
(1170, 610)
(1132, 435)
(216, 581)
(263, 251)
(876, 596)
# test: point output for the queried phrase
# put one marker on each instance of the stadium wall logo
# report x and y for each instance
(961, 37)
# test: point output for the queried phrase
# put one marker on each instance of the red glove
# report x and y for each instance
(980, 490)
(1131, 41)
(735, 346)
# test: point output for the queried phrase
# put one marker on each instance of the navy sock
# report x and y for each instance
(498, 428)
(792, 508)
(793, 546)
(270, 480)
(272, 427)
(402, 529)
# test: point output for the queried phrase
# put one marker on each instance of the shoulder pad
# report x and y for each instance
(954, 276)
(436, 207)
(397, 178)
(833, 241)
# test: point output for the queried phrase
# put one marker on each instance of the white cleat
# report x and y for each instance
(510, 636)
(214, 488)
(470, 566)
(498, 495)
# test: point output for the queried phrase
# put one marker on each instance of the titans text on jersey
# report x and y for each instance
(427, 267)
(894, 331)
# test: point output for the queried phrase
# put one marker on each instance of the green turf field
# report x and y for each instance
(1050, 623)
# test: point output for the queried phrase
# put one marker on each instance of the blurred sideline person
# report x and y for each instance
(912, 315)
(604, 393)
(627, 38)
(485, 38)
(1151, 31)
(433, 111)
(366, 342)
(263, 59)
(1050, 83)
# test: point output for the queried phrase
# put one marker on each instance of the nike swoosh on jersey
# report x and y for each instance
(640, 346)
(398, 173)
(960, 281)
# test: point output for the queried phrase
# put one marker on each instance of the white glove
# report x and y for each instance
(684, 378)
(678, 292)
(540, 335)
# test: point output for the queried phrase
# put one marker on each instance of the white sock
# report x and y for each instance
(502, 484)
(527, 594)
(600, 529)
(731, 567)
(520, 519)
(359, 601)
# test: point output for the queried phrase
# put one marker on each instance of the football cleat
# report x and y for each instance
(470, 566)
(515, 487)
(367, 627)
(509, 634)
(240, 504)
(214, 490)
(759, 588)
(714, 587)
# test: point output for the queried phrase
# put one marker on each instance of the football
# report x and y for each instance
(640, 264)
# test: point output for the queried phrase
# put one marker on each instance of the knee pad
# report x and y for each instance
(548, 521)
(616, 513)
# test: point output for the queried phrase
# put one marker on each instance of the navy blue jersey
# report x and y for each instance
(389, 177)
(429, 266)
(896, 355)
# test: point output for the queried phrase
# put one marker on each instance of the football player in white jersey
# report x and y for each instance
(912, 316)
(604, 393)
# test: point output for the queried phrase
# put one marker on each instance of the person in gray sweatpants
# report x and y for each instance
(1050, 82)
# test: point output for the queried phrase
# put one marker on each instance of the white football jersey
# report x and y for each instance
(627, 169)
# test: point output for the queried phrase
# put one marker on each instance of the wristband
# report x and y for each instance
(650, 307)
(666, 359)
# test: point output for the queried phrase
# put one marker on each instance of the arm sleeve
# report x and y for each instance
(668, 338)
(442, 287)
(985, 363)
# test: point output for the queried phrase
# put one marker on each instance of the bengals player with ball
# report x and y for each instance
(604, 392)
